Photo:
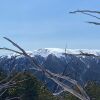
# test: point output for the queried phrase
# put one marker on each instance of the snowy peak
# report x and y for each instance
(58, 52)
(45, 52)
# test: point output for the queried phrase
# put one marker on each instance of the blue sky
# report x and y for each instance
(37, 24)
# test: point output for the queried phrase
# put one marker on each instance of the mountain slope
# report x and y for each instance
(81, 65)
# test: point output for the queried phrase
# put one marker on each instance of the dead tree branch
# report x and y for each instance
(53, 76)
(89, 13)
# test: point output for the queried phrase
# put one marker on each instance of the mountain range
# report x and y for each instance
(81, 65)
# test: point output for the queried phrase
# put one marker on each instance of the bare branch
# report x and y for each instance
(3, 92)
(89, 11)
(58, 93)
(15, 44)
(86, 13)
(70, 90)
(11, 50)
(54, 76)
(95, 23)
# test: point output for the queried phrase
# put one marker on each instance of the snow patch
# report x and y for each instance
(58, 52)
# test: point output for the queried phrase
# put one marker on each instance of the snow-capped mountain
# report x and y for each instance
(81, 65)
(58, 52)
